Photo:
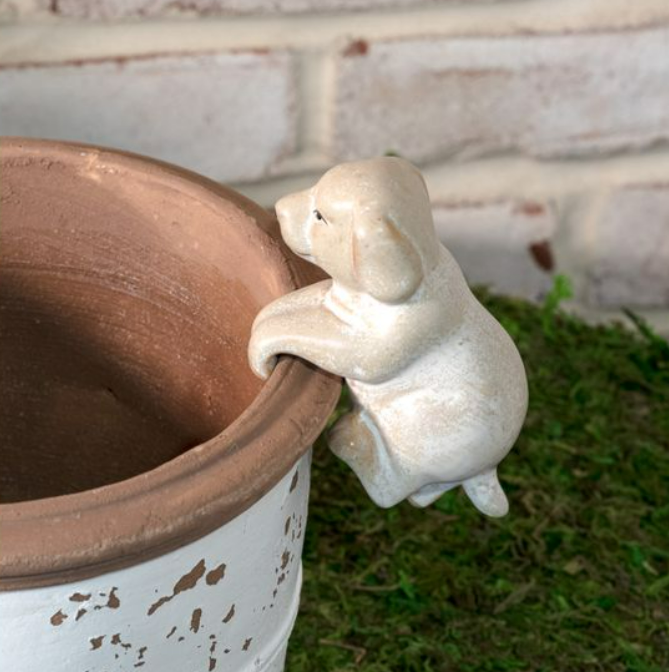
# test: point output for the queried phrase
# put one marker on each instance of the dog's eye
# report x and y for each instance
(319, 217)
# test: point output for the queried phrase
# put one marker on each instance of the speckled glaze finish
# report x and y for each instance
(153, 491)
(439, 389)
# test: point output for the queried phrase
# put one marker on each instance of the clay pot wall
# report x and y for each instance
(153, 491)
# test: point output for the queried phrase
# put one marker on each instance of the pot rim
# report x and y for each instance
(70, 537)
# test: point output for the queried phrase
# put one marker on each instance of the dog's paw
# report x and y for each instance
(263, 368)
(261, 360)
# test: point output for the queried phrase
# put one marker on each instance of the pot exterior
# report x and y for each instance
(227, 601)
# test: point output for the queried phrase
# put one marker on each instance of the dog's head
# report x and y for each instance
(368, 224)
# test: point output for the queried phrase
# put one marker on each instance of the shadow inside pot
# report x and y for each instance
(125, 311)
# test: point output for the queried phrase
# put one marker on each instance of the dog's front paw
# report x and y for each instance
(262, 359)
(264, 367)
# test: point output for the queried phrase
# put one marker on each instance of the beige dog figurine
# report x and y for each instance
(439, 388)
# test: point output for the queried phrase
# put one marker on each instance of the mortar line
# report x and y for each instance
(49, 39)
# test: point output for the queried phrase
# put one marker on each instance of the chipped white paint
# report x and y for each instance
(224, 602)
(439, 388)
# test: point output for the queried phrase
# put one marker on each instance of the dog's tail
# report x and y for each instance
(486, 494)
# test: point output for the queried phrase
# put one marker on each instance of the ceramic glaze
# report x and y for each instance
(439, 388)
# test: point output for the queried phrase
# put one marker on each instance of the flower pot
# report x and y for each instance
(153, 490)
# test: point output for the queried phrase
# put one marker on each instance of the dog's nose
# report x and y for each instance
(282, 208)
(293, 214)
(293, 208)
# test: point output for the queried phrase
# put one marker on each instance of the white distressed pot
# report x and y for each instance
(226, 601)
(153, 491)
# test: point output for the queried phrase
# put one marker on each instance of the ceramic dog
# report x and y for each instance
(438, 386)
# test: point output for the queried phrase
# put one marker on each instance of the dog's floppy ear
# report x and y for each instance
(385, 262)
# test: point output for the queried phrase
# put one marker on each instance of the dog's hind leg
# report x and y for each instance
(430, 493)
(356, 440)
(483, 490)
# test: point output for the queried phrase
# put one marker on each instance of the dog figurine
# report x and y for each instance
(438, 386)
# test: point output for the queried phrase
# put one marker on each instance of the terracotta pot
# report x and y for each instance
(154, 491)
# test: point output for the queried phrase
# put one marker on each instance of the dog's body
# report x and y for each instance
(439, 388)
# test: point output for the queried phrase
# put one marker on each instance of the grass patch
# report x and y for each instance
(576, 577)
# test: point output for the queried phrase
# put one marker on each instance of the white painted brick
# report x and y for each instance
(543, 95)
(230, 115)
(505, 245)
(14, 9)
(630, 264)
(8, 9)
(114, 9)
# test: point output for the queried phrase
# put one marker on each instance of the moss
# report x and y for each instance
(576, 577)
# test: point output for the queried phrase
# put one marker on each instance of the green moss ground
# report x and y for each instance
(576, 577)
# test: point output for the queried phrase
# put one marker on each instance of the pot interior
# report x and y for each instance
(126, 302)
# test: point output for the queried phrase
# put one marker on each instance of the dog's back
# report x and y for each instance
(454, 410)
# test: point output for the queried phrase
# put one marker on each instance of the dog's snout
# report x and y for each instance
(293, 214)
(282, 208)
(293, 208)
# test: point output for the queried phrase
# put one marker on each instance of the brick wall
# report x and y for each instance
(542, 125)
